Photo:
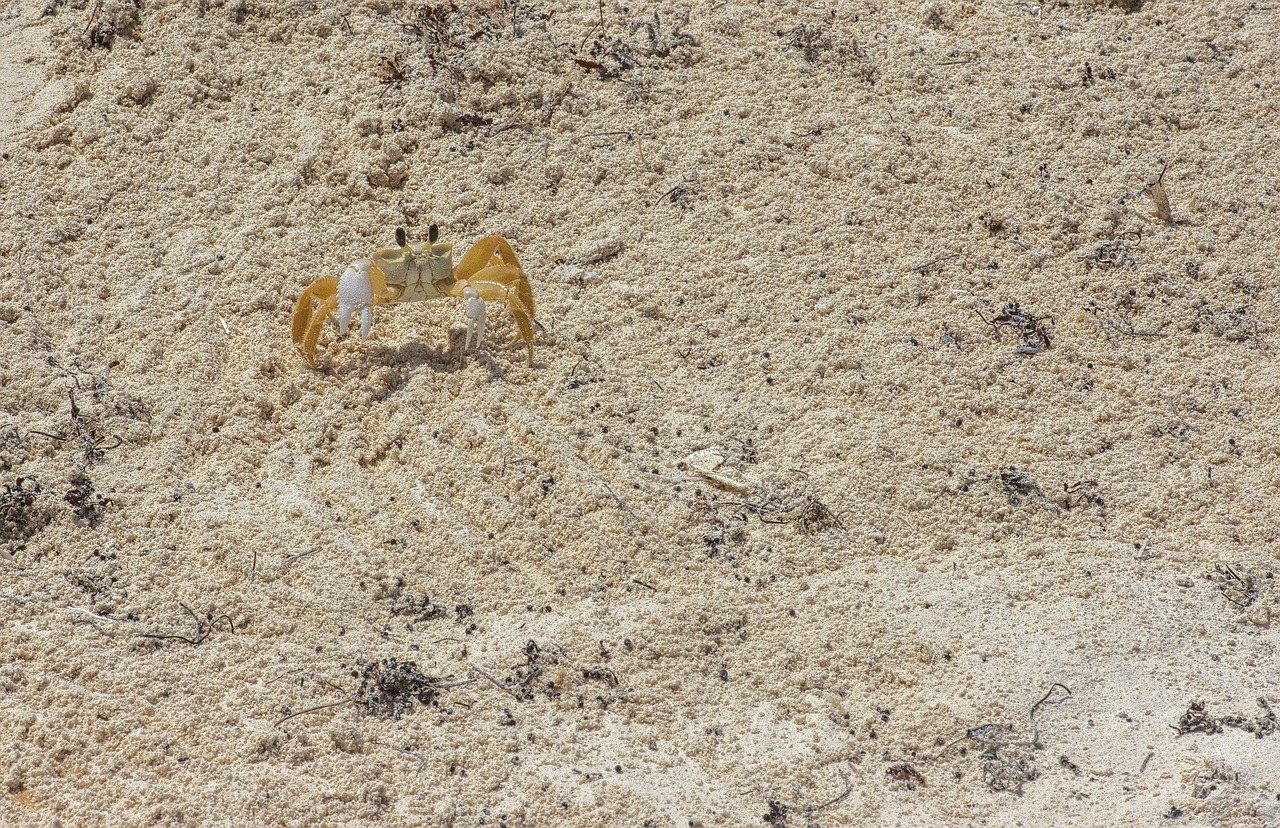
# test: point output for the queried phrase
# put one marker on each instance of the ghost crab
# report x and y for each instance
(412, 273)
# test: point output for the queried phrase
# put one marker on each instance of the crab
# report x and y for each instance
(412, 273)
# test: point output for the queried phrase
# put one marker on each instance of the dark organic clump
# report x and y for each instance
(86, 504)
(1197, 720)
(1019, 486)
(1029, 327)
(777, 816)
(20, 514)
(389, 688)
(906, 775)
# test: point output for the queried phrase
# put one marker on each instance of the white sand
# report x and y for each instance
(776, 230)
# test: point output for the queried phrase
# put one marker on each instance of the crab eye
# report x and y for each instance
(433, 233)
(400, 237)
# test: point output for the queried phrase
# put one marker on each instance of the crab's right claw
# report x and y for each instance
(475, 316)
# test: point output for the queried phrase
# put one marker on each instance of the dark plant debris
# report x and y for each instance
(1238, 587)
(1159, 197)
(809, 39)
(1029, 327)
(86, 504)
(1019, 486)
(906, 775)
(1114, 253)
(21, 515)
(388, 688)
(204, 628)
(1082, 493)
(1197, 719)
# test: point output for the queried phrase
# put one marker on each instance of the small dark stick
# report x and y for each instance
(400, 237)
(433, 233)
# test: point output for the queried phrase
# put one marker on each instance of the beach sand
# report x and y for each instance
(893, 452)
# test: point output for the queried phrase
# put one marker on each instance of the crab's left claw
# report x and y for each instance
(308, 320)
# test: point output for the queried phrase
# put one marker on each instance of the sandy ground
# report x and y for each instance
(993, 535)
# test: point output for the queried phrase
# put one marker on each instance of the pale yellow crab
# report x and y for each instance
(412, 273)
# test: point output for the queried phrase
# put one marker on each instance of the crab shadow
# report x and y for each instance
(442, 359)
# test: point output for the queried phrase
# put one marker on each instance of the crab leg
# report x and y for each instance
(326, 309)
(483, 254)
(320, 289)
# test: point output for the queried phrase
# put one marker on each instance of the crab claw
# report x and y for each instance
(475, 315)
(355, 292)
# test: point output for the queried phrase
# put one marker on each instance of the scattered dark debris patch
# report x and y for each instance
(1234, 324)
(601, 674)
(1114, 253)
(906, 775)
(537, 660)
(21, 514)
(611, 57)
(86, 504)
(1119, 321)
(1008, 770)
(1262, 725)
(779, 811)
(810, 515)
(777, 815)
(1029, 327)
(1019, 486)
(1196, 719)
(1006, 765)
(1016, 486)
(1238, 587)
(728, 534)
(92, 401)
(1207, 779)
(1081, 494)
(662, 43)
(204, 628)
(815, 516)
(809, 39)
(388, 688)
(419, 608)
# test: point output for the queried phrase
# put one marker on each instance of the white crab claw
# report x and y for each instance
(475, 316)
(355, 292)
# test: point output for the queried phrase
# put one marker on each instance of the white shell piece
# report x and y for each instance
(705, 463)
